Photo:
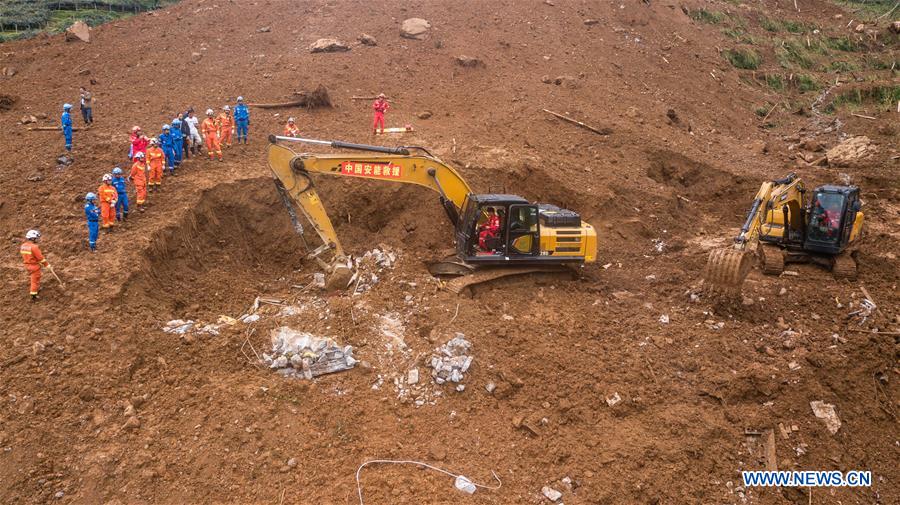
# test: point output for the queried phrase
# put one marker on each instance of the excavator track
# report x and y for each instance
(844, 267)
(726, 269)
(465, 284)
(772, 259)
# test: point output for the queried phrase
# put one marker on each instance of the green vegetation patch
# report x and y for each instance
(706, 16)
(806, 82)
(842, 44)
(26, 18)
(744, 58)
(883, 97)
(794, 54)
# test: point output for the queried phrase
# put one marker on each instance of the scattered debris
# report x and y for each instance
(825, 411)
(368, 267)
(614, 399)
(469, 62)
(551, 494)
(460, 482)
(301, 354)
(424, 114)
(664, 319)
(850, 152)
(451, 361)
(179, 326)
(367, 40)
(328, 46)
(28, 120)
(78, 30)
(415, 28)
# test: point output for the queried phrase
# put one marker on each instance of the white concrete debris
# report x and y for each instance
(249, 318)
(550, 493)
(412, 377)
(368, 266)
(451, 361)
(179, 326)
(614, 399)
(464, 484)
(301, 354)
(825, 412)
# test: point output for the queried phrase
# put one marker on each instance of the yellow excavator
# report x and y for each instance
(491, 230)
(824, 231)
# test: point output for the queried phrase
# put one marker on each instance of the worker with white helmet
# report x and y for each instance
(92, 213)
(291, 129)
(192, 131)
(156, 164)
(121, 184)
(109, 197)
(138, 177)
(33, 259)
(209, 128)
(241, 120)
(226, 126)
(66, 123)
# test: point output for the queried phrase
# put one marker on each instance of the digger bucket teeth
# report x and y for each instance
(726, 269)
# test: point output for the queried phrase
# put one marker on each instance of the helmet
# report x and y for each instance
(167, 127)
(209, 112)
(90, 197)
(139, 155)
(66, 106)
(226, 108)
(32, 234)
(116, 171)
(135, 128)
(380, 95)
(176, 122)
(154, 141)
(240, 99)
(290, 120)
(108, 177)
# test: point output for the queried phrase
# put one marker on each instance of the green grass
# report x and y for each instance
(840, 67)
(806, 82)
(775, 82)
(841, 44)
(794, 54)
(775, 26)
(883, 97)
(867, 10)
(746, 59)
(762, 110)
(880, 64)
(707, 16)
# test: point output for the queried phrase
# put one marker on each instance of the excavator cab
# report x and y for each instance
(832, 216)
(498, 228)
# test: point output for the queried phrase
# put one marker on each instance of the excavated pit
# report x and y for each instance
(238, 243)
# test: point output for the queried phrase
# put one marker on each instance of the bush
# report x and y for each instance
(841, 44)
(842, 66)
(774, 81)
(705, 16)
(806, 82)
(746, 59)
(794, 53)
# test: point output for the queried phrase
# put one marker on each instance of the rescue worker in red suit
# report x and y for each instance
(490, 229)
(380, 106)
(108, 199)
(33, 260)
(138, 142)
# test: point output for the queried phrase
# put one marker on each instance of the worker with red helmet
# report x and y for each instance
(380, 106)
(139, 142)
(490, 229)
(33, 260)
(226, 126)
(108, 199)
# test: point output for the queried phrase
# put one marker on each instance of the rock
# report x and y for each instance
(812, 145)
(132, 423)
(415, 28)
(469, 62)
(9, 71)
(546, 79)
(37, 347)
(424, 114)
(895, 27)
(196, 57)
(672, 116)
(86, 71)
(79, 30)
(860, 28)
(550, 493)
(490, 387)
(264, 29)
(291, 463)
(758, 146)
(566, 81)
(28, 120)
(591, 22)
(614, 399)
(825, 411)
(367, 40)
(328, 46)
(87, 394)
(851, 152)
(412, 377)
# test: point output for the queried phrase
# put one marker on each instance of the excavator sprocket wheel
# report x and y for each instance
(726, 269)
(844, 267)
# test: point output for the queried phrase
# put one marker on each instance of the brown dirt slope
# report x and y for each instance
(662, 189)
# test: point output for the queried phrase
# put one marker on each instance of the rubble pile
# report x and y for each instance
(368, 266)
(301, 354)
(451, 361)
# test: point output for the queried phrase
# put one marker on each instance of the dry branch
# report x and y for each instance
(600, 131)
(309, 99)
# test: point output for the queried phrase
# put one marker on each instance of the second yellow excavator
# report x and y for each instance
(491, 230)
(826, 231)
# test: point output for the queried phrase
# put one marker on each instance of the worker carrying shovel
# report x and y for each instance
(34, 260)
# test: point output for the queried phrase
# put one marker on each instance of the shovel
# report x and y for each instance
(61, 284)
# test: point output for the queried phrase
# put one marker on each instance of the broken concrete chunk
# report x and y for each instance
(328, 46)
(826, 412)
(415, 28)
(550, 493)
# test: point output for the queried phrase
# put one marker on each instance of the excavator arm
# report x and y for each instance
(293, 171)
(772, 197)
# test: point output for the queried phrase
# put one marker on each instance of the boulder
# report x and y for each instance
(367, 40)
(424, 114)
(469, 62)
(851, 152)
(415, 28)
(328, 46)
(196, 57)
(9, 71)
(79, 30)
(567, 81)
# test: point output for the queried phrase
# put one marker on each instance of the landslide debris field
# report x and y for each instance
(630, 385)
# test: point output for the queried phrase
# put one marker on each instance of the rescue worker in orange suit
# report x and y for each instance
(380, 106)
(290, 129)
(156, 162)
(210, 131)
(138, 177)
(226, 126)
(138, 142)
(34, 260)
(490, 229)
(108, 199)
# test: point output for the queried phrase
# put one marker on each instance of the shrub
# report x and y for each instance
(806, 82)
(743, 58)
(774, 81)
(705, 16)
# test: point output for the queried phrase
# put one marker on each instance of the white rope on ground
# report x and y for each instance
(421, 464)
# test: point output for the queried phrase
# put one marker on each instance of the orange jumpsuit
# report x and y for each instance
(108, 197)
(210, 131)
(156, 160)
(291, 130)
(34, 260)
(138, 176)
(226, 128)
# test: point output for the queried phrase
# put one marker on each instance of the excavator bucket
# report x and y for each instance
(726, 269)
